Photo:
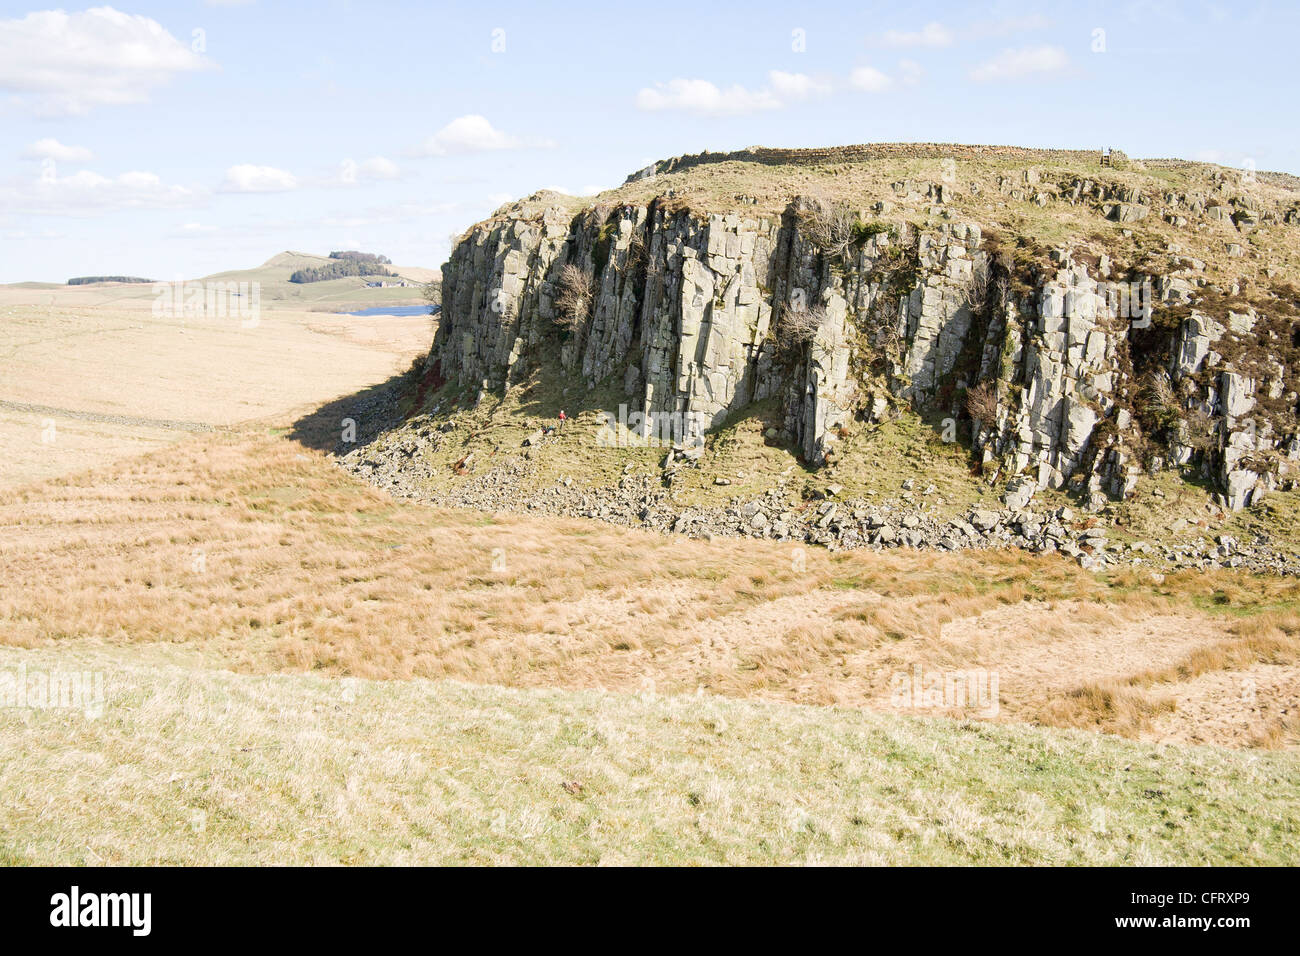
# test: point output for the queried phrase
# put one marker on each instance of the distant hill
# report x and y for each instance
(401, 286)
(404, 285)
(293, 260)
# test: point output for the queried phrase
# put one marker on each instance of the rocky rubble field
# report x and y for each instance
(396, 463)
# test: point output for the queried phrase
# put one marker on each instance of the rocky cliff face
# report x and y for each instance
(1088, 376)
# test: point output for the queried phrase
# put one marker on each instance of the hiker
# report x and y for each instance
(563, 419)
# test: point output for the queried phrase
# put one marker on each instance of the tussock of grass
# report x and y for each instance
(1127, 707)
(1107, 707)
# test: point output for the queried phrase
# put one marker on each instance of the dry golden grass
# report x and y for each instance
(1133, 705)
(109, 378)
(1109, 706)
(263, 556)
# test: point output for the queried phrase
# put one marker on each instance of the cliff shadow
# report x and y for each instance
(361, 416)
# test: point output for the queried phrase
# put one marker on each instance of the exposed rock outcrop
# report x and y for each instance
(687, 314)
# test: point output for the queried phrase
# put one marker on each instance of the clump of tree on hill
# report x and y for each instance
(88, 280)
(363, 257)
(346, 264)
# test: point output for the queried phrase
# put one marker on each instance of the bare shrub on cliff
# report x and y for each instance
(573, 303)
(1158, 408)
(982, 403)
(827, 224)
(636, 253)
(432, 293)
(977, 293)
(1001, 290)
(1200, 430)
(1160, 390)
(797, 327)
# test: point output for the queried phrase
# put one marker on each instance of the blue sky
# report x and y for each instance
(179, 139)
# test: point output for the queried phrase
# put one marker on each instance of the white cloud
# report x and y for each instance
(377, 167)
(82, 180)
(704, 98)
(1032, 21)
(194, 230)
(1010, 64)
(338, 222)
(53, 149)
(869, 80)
(57, 63)
(471, 134)
(88, 193)
(796, 86)
(25, 236)
(140, 180)
(932, 34)
(247, 178)
(707, 99)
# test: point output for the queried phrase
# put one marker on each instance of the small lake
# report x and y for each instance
(395, 310)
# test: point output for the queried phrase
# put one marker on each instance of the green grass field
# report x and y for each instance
(196, 766)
